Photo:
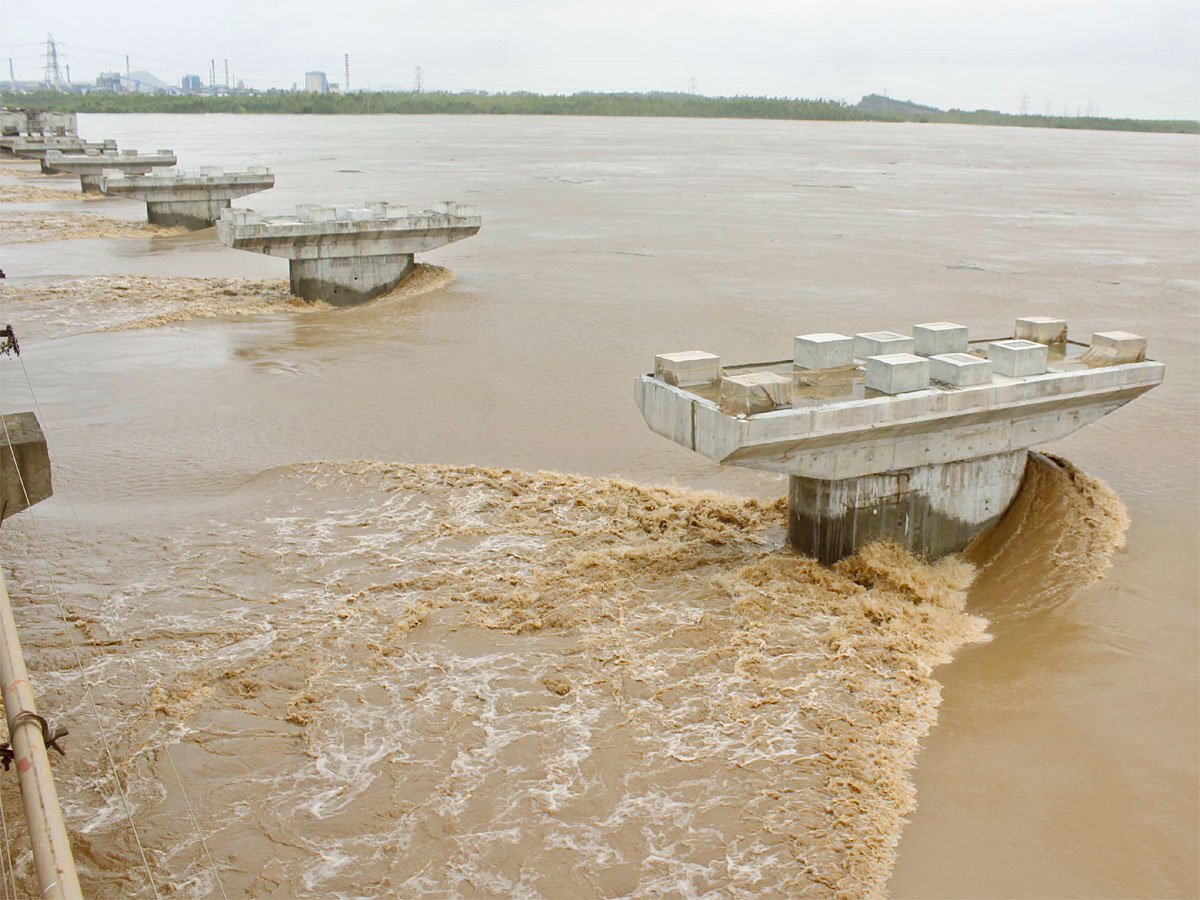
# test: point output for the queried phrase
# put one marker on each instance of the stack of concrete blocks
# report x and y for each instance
(93, 168)
(346, 255)
(191, 199)
(931, 457)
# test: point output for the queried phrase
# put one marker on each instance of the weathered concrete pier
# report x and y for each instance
(37, 121)
(187, 199)
(344, 254)
(92, 165)
(918, 439)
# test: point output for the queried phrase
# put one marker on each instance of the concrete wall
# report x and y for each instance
(22, 439)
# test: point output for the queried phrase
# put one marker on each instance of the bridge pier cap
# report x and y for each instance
(93, 167)
(187, 198)
(345, 255)
(919, 439)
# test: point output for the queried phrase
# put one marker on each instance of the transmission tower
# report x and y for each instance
(346, 88)
(692, 89)
(418, 80)
(53, 76)
(1024, 104)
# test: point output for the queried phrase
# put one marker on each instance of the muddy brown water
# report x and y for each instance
(413, 675)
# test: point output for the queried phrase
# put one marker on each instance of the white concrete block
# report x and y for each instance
(959, 369)
(1041, 329)
(1114, 348)
(897, 373)
(754, 392)
(689, 367)
(936, 338)
(881, 343)
(1016, 358)
(823, 351)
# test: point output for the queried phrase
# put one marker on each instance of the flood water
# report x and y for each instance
(383, 669)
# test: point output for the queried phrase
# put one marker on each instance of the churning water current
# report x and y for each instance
(418, 675)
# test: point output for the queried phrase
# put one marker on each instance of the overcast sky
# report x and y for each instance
(1117, 57)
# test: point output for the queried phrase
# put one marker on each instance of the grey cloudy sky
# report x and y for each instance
(1118, 57)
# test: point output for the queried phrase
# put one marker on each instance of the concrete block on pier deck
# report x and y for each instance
(687, 368)
(897, 373)
(881, 343)
(959, 369)
(1017, 358)
(1041, 329)
(823, 351)
(936, 338)
(24, 464)
(1114, 348)
(754, 392)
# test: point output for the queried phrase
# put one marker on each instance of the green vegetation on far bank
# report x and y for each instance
(651, 104)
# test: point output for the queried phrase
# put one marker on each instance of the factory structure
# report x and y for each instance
(218, 80)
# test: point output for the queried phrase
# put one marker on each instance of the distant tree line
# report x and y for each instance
(586, 104)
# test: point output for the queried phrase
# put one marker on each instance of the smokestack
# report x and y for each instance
(227, 73)
(346, 89)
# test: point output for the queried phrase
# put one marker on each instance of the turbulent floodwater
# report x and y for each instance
(122, 302)
(441, 672)
(420, 679)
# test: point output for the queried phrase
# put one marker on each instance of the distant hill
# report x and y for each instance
(880, 103)
(144, 82)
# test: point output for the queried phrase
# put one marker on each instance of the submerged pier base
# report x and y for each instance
(348, 280)
(190, 214)
(931, 510)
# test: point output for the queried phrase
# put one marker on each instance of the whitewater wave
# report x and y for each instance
(123, 302)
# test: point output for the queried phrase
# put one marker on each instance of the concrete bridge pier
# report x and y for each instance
(93, 166)
(918, 439)
(345, 255)
(191, 199)
(932, 510)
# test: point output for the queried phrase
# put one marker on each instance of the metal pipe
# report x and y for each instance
(47, 832)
